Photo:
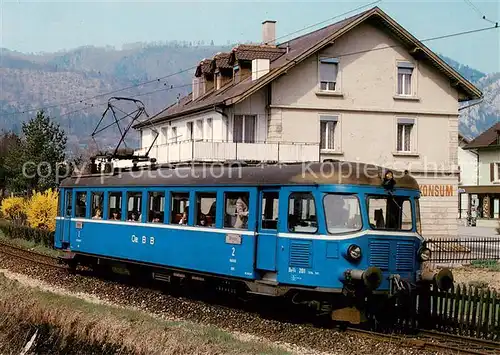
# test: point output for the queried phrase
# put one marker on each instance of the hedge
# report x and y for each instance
(39, 236)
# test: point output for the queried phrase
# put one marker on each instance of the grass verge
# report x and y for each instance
(490, 265)
(71, 320)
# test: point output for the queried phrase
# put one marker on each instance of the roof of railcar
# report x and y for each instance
(300, 174)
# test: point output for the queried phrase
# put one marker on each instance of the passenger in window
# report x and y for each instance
(97, 214)
(203, 220)
(133, 217)
(184, 218)
(241, 213)
(115, 216)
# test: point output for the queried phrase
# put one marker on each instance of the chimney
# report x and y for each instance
(260, 67)
(269, 32)
(196, 88)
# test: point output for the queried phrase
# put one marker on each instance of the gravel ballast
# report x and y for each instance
(302, 338)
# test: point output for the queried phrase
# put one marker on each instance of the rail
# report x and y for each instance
(30, 256)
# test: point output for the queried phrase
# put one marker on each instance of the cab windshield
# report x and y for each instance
(389, 212)
(342, 213)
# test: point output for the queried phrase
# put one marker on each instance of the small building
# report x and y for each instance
(468, 175)
(363, 89)
(484, 196)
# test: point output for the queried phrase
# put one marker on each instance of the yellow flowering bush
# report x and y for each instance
(14, 209)
(41, 210)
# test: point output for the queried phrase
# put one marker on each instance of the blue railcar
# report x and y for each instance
(335, 232)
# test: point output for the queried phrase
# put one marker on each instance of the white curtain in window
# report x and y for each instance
(327, 135)
(250, 129)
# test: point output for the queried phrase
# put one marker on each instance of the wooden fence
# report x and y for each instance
(464, 310)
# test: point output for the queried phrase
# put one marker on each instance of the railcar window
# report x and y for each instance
(342, 213)
(134, 206)
(81, 205)
(270, 208)
(115, 206)
(302, 213)
(97, 204)
(236, 210)
(390, 212)
(205, 209)
(180, 208)
(69, 203)
(156, 209)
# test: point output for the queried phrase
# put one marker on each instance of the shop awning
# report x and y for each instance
(481, 189)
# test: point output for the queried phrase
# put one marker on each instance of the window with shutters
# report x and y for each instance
(405, 135)
(495, 172)
(405, 73)
(328, 128)
(244, 127)
(328, 72)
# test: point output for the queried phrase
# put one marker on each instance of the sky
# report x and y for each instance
(48, 26)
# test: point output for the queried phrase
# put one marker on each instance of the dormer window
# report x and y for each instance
(236, 74)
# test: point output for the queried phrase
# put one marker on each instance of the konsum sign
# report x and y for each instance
(437, 190)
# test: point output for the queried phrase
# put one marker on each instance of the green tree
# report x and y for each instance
(11, 146)
(44, 149)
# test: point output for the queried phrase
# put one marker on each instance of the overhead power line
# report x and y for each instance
(168, 75)
(456, 34)
(479, 12)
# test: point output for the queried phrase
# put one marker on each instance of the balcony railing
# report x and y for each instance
(217, 151)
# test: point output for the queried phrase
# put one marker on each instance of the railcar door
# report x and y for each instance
(267, 230)
(68, 212)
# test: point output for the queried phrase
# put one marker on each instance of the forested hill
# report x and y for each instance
(30, 81)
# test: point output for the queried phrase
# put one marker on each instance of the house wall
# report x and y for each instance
(467, 161)
(486, 157)
(368, 108)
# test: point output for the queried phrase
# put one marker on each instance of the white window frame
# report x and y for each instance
(243, 138)
(210, 129)
(496, 172)
(164, 135)
(406, 122)
(334, 62)
(332, 120)
(173, 135)
(199, 127)
(404, 67)
(189, 131)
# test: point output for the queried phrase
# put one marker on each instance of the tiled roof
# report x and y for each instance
(290, 53)
(488, 138)
(222, 61)
(251, 52)
(205, 67)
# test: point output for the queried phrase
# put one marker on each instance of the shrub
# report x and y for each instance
(14, 209)
(42, 210)
(38, 236)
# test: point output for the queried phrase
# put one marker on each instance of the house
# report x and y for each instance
(363, 89)
(468, 175)
(484, 196)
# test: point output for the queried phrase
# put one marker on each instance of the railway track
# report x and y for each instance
(31, 256)
(436, 341)
(428, 340)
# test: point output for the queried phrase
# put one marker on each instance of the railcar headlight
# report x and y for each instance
(354, 252)
(424, 254)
